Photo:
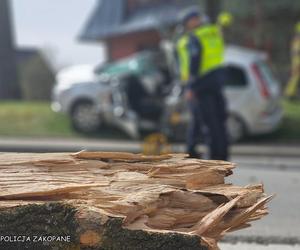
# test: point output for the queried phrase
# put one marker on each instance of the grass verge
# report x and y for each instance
(36, 119)
(32, 119)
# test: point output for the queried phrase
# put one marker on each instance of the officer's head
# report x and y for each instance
(191, 18)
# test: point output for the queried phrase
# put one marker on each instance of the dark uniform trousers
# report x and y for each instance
(209, 115)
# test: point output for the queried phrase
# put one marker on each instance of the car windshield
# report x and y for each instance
(139, 64)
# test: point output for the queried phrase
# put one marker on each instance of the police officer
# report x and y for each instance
(292, 87)
(200, 52)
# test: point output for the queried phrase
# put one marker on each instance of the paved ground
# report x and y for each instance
(9, 144)
(282, 226)
(278, 162)
(284, 219)
(241, 246)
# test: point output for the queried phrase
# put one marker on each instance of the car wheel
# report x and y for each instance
(236, 128)
(85, 117)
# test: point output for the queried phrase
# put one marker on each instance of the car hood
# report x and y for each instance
(75, 74)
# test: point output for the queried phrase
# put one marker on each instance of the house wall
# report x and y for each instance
(128, 44)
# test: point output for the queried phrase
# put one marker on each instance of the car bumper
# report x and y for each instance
(60, 102)
(267, 123)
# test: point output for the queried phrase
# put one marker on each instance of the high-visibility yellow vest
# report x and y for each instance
(296, 55)
(212, 44)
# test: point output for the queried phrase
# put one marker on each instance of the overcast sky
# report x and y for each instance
(56, 24)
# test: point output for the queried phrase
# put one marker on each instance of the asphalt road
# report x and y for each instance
(281, 176)
(242, 246)
(9, 144)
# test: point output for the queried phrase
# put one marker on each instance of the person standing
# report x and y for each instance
(291, 90)
(200, 54)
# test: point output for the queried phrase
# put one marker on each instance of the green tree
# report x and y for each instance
(266, 25)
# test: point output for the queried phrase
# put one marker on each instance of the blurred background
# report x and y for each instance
(100, 75)
(49, 49)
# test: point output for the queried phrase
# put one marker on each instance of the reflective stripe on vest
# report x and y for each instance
(212, 44)
(184, 58)
(296, 53)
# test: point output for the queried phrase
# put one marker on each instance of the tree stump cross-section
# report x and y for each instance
(121, 201)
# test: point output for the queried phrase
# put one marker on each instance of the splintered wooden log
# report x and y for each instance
(116, 201)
